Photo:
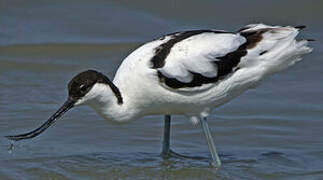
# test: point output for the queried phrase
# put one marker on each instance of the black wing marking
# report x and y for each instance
(225, 64)
(162, 51)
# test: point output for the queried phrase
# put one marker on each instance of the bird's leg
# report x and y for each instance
(166, 151)
(216, 162)
(166, 139)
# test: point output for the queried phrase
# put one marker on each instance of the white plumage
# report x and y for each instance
(142, 88)
(188, 73)
(196, 54)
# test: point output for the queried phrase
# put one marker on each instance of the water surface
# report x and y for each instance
(271, 132)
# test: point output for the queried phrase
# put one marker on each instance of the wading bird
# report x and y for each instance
(187, 73)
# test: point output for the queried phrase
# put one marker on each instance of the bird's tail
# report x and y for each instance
(273, 47)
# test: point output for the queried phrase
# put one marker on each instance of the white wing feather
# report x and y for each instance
(196, 54)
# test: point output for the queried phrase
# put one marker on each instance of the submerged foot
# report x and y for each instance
(170, 153)
(215, 165)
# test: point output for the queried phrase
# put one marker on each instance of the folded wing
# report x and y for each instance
(194, 58)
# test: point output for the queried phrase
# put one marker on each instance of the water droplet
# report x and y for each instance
(11, 147)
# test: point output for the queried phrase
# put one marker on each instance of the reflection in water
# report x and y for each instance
(11, 147)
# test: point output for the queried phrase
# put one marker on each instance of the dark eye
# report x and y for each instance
(83, 88)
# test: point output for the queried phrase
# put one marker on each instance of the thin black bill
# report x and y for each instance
(63, 109)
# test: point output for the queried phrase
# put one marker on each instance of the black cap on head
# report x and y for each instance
(83, 83)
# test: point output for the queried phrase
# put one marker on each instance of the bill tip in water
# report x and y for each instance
(66, 106)
(13, 138)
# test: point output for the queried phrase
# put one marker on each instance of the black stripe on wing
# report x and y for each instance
(162, 51)
(225, 64)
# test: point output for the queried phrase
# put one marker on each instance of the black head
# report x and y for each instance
(78, 87)
(82, 83)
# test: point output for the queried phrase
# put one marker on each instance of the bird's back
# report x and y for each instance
(194, 71)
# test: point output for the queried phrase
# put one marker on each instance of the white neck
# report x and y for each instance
(105, 103)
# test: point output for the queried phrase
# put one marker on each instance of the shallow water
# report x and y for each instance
(271, 132)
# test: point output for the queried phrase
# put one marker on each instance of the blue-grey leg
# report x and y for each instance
(166, 151)
(166, 139)
(216, 162)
